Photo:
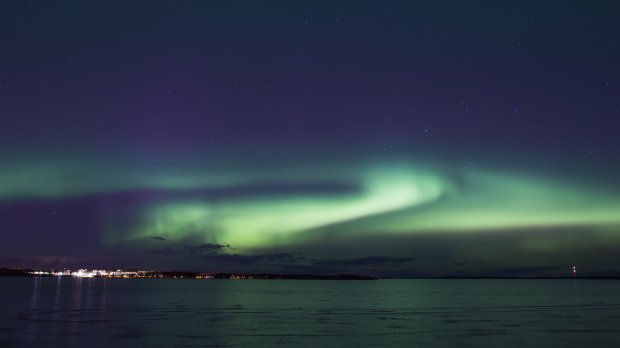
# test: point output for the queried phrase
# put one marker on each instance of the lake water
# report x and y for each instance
(70, 312)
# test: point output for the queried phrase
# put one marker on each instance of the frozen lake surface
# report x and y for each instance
(70, 312)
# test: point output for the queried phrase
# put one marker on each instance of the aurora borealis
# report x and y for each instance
(397, 139)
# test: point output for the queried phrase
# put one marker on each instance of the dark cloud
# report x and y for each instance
(206, 247)
(214, 252)
(288, 262)
(281, 259)
(162, 239)
(364, 262)
(189, 250)
(212, 257)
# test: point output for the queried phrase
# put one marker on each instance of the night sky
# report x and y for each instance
(388, 138)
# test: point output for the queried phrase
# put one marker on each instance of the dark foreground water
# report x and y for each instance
(68, 312)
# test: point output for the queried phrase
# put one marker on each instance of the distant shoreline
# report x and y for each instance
(24, 272)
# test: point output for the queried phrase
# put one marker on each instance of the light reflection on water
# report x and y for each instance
(74, 312)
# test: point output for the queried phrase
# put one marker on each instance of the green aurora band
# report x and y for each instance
(267, 221)
(392, 198)
(397, 201)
